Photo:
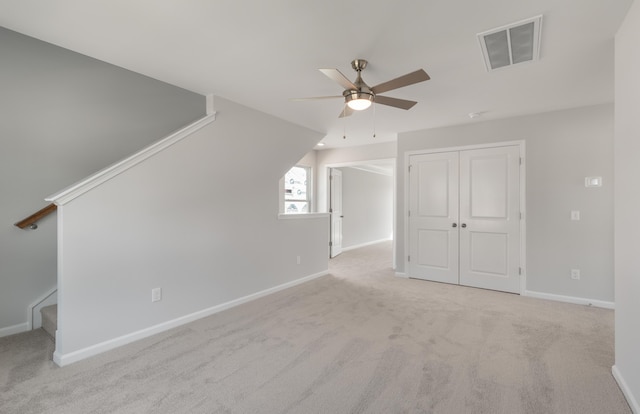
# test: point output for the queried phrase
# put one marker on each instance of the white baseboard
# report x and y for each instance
(12, 330)
(570, 299)
(633, 403)
(402, 274)
(357, 246)
(71, 357)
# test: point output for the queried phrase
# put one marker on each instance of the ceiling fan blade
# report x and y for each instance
(395, 102)
(402, 81)
(313, 98)
(346, 111)
(337, 76)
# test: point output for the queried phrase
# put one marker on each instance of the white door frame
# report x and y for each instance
(335, 221)
(523, 205)
(327, 172)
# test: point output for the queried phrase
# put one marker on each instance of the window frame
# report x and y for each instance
(308, 194)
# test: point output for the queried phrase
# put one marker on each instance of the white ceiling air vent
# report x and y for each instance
(511, 44)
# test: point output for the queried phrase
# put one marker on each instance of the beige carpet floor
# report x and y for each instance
(357, 341)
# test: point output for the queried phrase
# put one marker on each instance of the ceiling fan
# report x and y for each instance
(359, 96)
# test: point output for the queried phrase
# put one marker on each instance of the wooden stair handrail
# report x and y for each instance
(32, 219)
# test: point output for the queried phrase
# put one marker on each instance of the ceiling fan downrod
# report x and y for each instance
(363, 93)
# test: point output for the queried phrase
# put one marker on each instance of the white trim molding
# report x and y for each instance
(15, 329)
(402, 275)
(298, 216)
(570, 299)
(81, 187)
(71, 357)
(210, 104)
(624, 387)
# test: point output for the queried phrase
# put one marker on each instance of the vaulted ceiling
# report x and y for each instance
(262, 53)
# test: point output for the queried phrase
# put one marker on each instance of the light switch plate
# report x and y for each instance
(575, 215)
(593, 182)
(156, 294)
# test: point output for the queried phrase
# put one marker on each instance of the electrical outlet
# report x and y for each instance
(297, 259)
(156, 294)
(575, 274)
(575, 215)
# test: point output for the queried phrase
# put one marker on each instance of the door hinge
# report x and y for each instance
(521, 215)
(519, 270)
(409, 168)
(520, 160)
(409, 213)
(330, 244)
(408, 258)
(330, 210)
(330, 177)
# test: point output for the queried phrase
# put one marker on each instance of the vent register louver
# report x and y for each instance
(511, 44)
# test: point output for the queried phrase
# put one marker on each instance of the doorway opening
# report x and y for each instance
(361, 203)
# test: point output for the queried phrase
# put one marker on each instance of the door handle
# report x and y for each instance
(463, 225)
(454, 225)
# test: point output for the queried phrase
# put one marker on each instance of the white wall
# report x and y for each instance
(627, 207)
(309, 159)
(367, 206)
(200, 220)
(342, 157)
(64, 116)
(562, 148)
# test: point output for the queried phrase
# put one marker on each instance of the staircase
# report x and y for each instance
(50, 320)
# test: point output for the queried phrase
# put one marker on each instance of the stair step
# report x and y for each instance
(50, 320)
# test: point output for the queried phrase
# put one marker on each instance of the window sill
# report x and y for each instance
(297, 216)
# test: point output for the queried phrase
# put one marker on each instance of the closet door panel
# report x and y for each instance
(490, 218)
(433, 211)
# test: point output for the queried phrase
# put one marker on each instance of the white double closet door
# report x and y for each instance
(464, 217)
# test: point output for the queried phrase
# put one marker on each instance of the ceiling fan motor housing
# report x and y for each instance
(358, 64)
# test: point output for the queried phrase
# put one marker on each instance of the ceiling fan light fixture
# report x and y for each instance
(358, 101)
(359, 96)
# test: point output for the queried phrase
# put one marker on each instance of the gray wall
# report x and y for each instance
(627, 202)
(205, 229)
(562, 148)
(64, 116)
(367, 206)
(339, 157)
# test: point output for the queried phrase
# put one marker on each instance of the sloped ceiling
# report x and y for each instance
(262, 53)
